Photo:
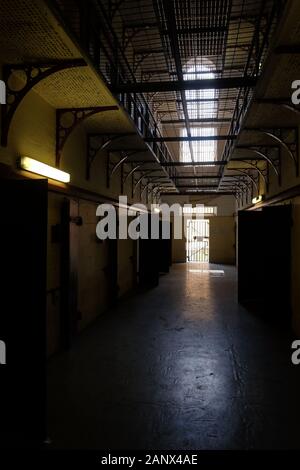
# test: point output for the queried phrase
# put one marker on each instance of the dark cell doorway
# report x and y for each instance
(23, 238)
(264, 259)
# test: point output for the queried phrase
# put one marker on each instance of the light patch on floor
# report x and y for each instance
(214, 272)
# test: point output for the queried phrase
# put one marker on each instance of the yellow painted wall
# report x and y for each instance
(92, 260)
(32, 133)
(179, 251)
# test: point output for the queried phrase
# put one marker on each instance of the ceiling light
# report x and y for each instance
(34, 166)
(257, 199)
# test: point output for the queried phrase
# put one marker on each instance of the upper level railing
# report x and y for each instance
(90, 23)
(256, 57)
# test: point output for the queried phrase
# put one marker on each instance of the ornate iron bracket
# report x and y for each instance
(247, 172)
(30, 75)
(271, 154)
(67, 119)
(144, 175)
(97, 143)
(287, 137)
(264, 172)
(120, 163)
(132, 172)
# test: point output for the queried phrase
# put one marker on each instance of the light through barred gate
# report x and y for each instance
(197, 241)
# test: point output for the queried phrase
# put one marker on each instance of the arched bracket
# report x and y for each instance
(272, 155)
(264, 173)
(144, 175)
(237, 192)
(287, 137)
(120, 163)
(67, 119)
(131, 173)
(98, 143)
(30, 75)
(148, 184)
(244, 189)
(247, 173)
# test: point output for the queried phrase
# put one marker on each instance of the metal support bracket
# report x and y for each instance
(111, 170)
(271, 154)
(98, 143)
(67, 119)
(263, 172)
(287, 138)
(29, 75)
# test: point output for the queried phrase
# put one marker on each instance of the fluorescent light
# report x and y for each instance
(34, 166)
(257, 199)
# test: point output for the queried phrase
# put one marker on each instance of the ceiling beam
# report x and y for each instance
(197, 186)
(173, 35)
(205, 84)
(204, 177)
(166, 71)
(196, 177)
(201, 192)
(195, 121)
(187, 164)
(190, 139)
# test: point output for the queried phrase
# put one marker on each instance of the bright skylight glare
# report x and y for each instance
(201, 104)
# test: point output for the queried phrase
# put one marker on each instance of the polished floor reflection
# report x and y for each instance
(182, 366)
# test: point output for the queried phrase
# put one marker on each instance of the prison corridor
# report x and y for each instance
(181, 366)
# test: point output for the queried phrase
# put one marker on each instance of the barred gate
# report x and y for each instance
(197, 241)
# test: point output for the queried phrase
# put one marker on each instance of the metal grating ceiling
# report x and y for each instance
(226, 34)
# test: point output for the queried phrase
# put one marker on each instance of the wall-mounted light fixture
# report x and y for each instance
(257, 199)
(34, 166)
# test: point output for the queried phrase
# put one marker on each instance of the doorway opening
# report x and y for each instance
(197, 241)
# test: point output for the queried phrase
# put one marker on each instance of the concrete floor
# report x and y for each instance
(182, 366)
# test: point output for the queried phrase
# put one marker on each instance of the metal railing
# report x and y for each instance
(256, 58)
(90, 24)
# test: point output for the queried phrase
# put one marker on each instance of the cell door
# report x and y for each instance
(264, 259)
(197, 241)
(70, 223)
(23, 247)
(251, 256)
(277, 260)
